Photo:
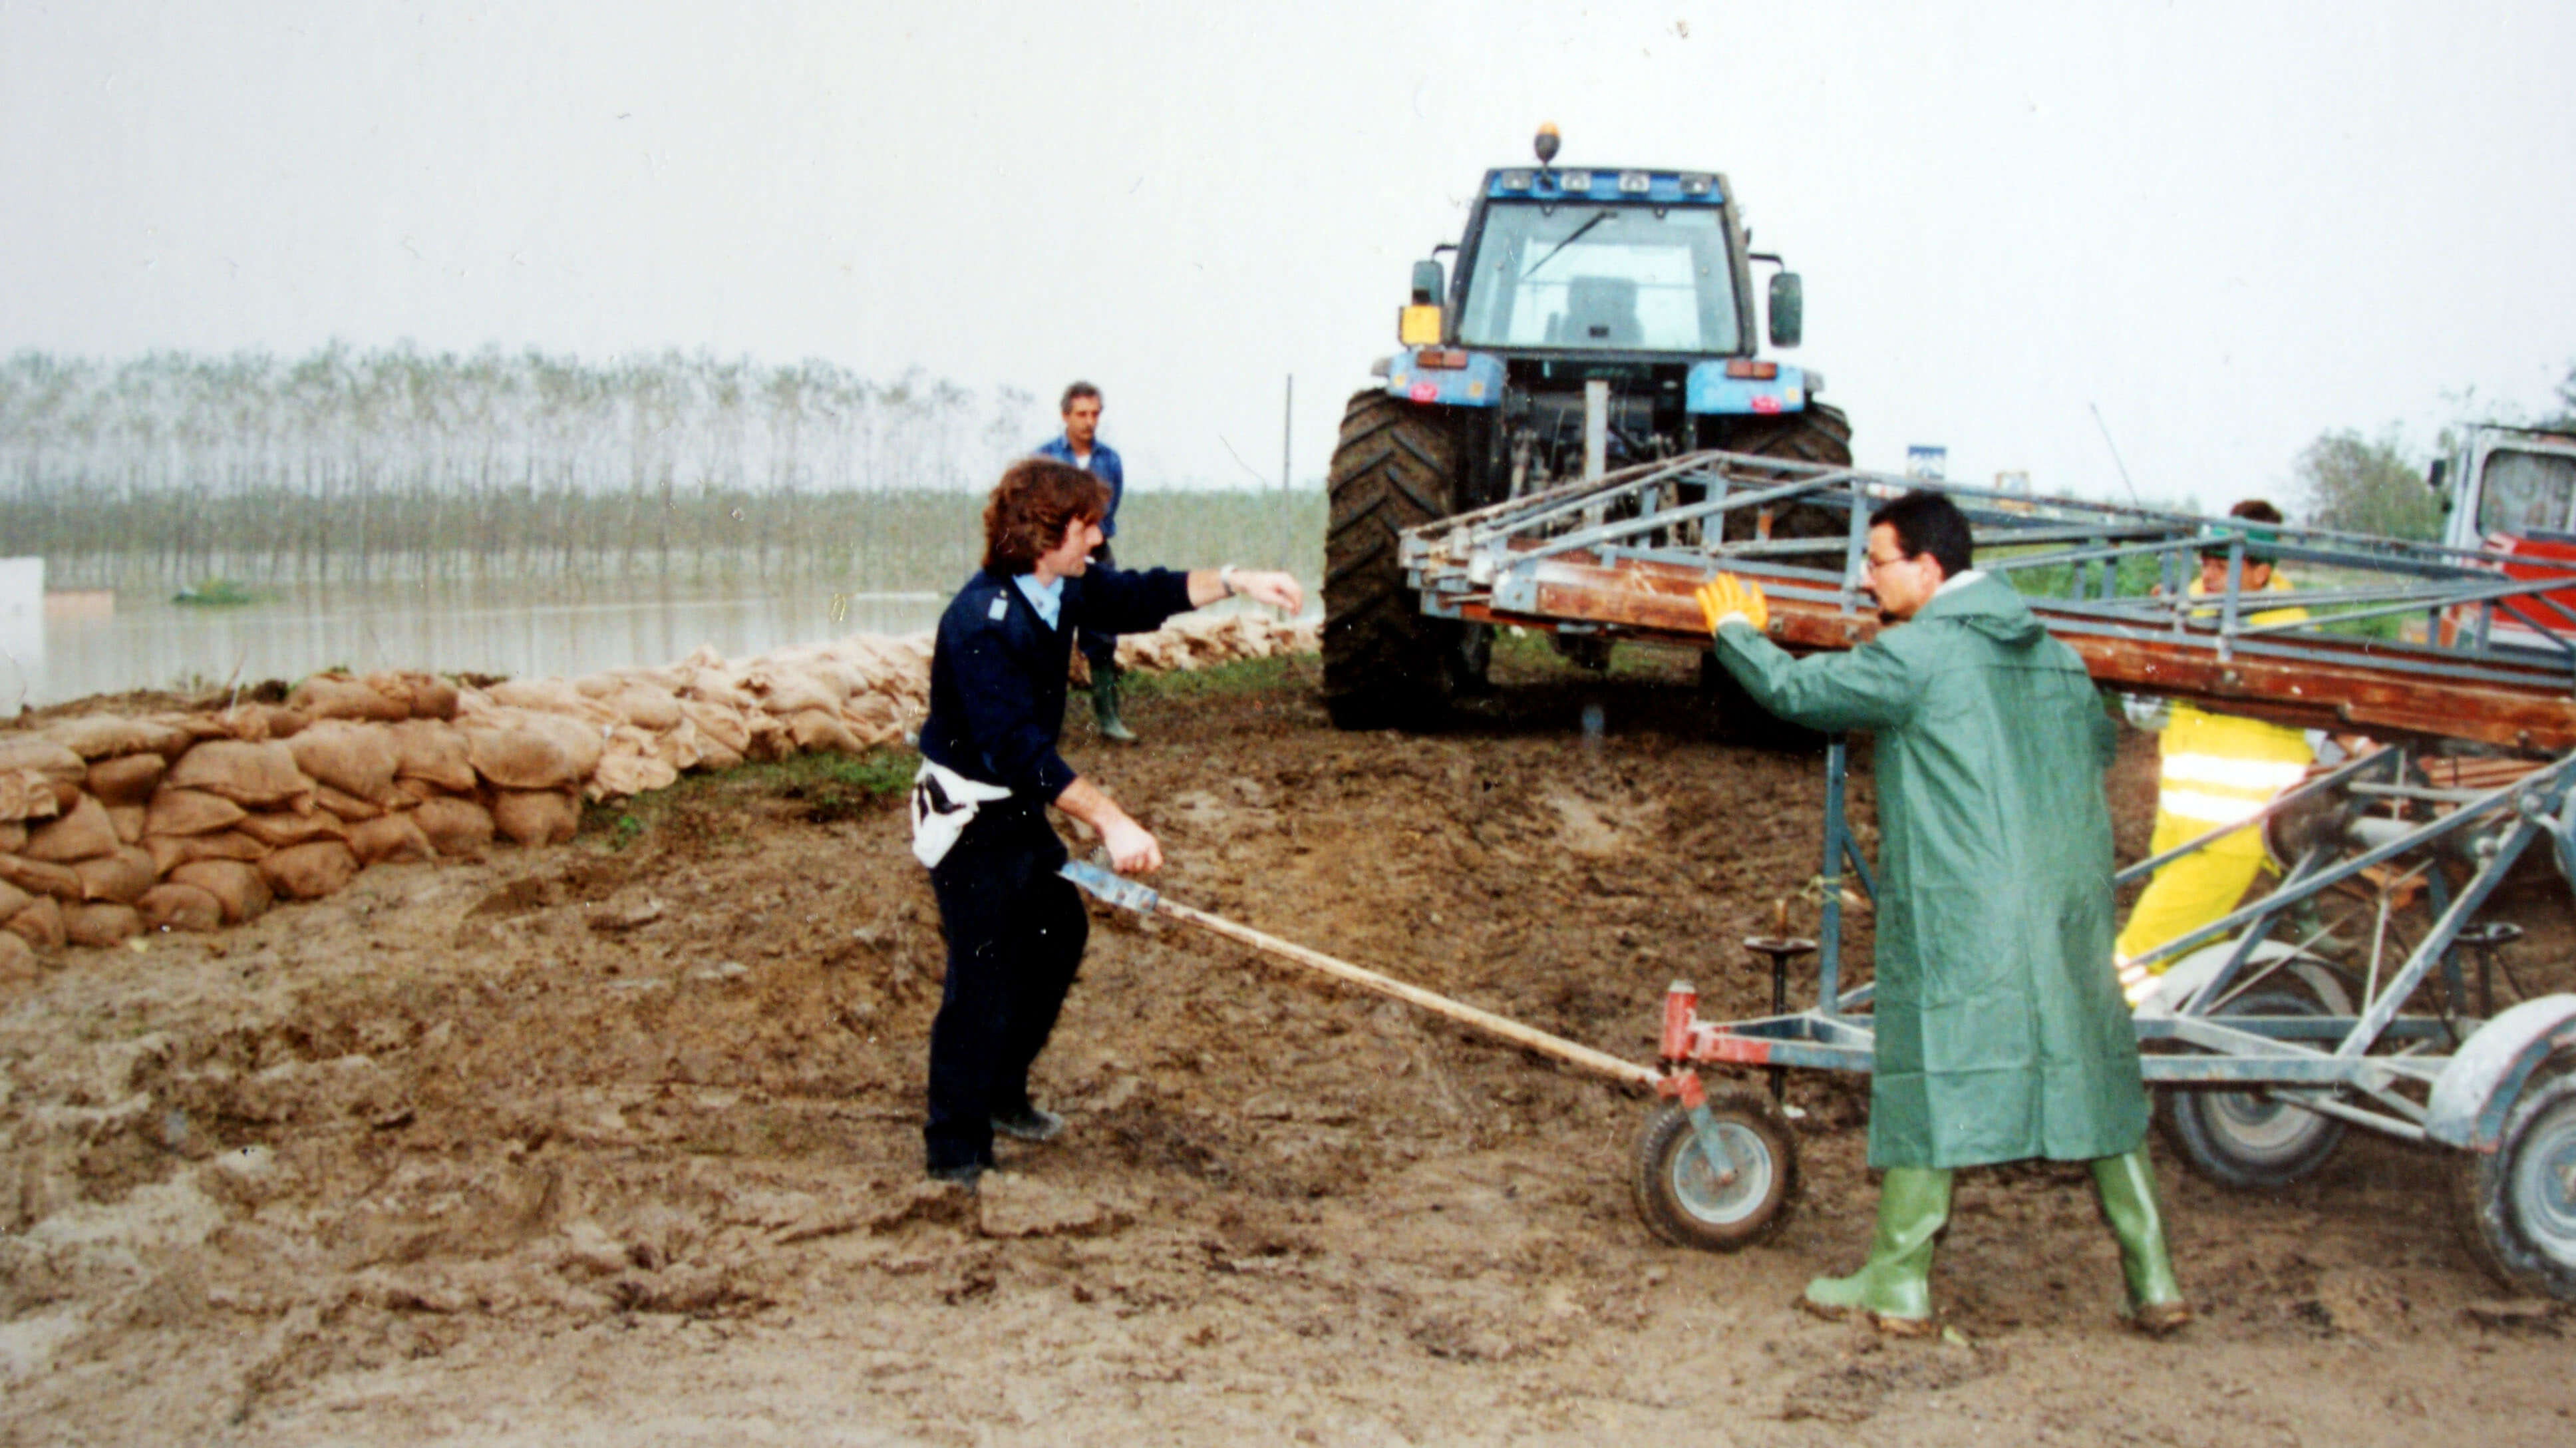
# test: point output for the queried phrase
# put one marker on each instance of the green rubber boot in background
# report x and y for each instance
(2126, 1185)
(1895, 1285)
(1104, 707)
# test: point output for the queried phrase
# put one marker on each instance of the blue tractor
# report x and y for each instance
(1597, 318)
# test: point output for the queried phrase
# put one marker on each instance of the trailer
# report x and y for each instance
(2320, 1007)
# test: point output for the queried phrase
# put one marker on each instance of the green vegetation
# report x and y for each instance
(832, 785)
(1238, 676)
(216, 593)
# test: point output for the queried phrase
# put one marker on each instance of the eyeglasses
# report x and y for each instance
(1875, 564)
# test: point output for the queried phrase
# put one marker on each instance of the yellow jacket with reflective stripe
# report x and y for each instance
(2219, 768)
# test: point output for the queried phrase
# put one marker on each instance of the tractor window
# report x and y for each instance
(1602, 277)
(2527, 493)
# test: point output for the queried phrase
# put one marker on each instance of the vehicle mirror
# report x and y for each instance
(1428, 283)
(1788, 309)
(2437, 474)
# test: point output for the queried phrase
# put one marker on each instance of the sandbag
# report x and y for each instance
(110, 736)
(84, 834)
(121, 877)
(13, 899)
(454, 827)
(40, 925)
(30, 752)
(785, 690)
(258, 723)
(39, 877)
(432, 697)
(390, 840)
(13, 836)
(645, 707)
(520, 759)
(544, 696)
(17, 960)
(237, 886)
(100, 926)
(283, 828)
(814, 729)
(343, 806)
(171, 851)
(179, 907)
(128, 821)
(352, 758)
(256, 775)
(26, 794)
(337, 696)
(536, 817)
(723, 726)
(415, 791)
(309, 872)
(129, 780)
(190, 812)
(621, 774)
(428, 750)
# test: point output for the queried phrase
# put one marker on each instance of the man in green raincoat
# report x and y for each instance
(2001, 1034)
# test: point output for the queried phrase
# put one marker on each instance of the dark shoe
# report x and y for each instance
(963, 1176)
(1029, 1123)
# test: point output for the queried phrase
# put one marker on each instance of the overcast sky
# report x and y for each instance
(2230, 226)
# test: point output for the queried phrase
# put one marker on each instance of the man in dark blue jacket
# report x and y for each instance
(990, 769)
(1081, 446)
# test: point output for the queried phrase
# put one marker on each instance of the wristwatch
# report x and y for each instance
(1225, 580)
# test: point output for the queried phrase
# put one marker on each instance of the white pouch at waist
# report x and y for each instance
(943, 804)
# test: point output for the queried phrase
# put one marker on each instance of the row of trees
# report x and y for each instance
(2366, 484)
(396, 463)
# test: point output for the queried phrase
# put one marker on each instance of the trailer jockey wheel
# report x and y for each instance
(2245, 1139)
(1681, 1195)
(2518, 1204)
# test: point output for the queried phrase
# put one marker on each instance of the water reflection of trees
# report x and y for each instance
(391, 464)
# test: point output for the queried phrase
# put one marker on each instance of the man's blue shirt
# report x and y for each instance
(1104, 466)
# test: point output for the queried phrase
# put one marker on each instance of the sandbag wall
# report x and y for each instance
(112, 826)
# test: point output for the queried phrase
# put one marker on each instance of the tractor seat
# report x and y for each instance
(1601, 311)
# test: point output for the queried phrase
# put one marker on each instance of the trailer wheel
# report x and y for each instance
(2518, 1204)
(1387, 664)
(1680, 1197)
(2246, 1139)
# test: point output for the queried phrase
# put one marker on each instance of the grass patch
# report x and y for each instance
(834, 786)
(216, 593)
(1236, 676)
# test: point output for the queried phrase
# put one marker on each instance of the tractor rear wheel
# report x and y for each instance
(1386, 663)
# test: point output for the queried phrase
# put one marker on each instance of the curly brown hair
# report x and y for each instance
(1036, 500)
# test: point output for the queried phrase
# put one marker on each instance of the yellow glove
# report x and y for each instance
(1727, 596)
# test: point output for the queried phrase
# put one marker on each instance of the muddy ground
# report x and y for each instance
(617, 1143)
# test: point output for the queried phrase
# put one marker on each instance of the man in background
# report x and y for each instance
(2216, 770)
(1081, 446)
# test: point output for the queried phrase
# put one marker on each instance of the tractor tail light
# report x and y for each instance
(1444, 358)
(1757, 371)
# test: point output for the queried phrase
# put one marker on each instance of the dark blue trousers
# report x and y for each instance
(1099, 649)
(1015, 935)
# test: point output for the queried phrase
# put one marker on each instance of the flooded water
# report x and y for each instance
(82, 643)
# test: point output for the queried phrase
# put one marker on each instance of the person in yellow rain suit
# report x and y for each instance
(2217, 769)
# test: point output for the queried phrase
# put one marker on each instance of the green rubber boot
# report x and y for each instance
(1894, 1287)
(1104, 707)
(2126, 1185)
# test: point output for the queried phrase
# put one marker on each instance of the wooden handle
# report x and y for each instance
(1598, 1062)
